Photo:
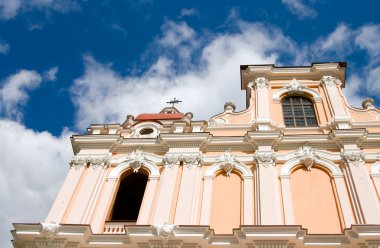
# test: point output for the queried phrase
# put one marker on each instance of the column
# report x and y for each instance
(248, 207)
(146, 209)
(105, 205)
(206, 201)
(344, 200)
(263, 119)
(269, 206)
(89, 189)
(166, 189)
(363, 187)
(59, 208)
(340, 116)
(188, 185)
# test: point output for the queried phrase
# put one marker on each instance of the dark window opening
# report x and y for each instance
(298, 112)
(146, 131)
(129, 197)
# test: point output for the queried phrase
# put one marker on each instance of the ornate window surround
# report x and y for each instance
(279, 94)
(149, 124)
(125, 162)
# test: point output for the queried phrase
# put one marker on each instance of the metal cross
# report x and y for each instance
(174, 101)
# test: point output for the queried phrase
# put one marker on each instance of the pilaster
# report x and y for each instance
(340, 116)
(188, 192)
(166, 189)
(263, 119)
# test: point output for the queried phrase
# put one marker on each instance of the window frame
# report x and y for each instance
(300, 113)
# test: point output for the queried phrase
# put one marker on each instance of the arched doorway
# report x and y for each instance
(129, 197)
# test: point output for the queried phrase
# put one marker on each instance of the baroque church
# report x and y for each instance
(299, 167)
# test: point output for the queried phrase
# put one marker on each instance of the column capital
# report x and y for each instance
(265, 158)
(353, 157)
(330, 81)
(260, 82)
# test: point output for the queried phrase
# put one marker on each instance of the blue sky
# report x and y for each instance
(66, 64)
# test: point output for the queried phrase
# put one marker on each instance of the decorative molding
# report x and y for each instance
(78, 162)
(164, 230)
(329, 81)
(294, 86)
(96, 162)
(135, 160)
(49, 230)
(261, 82)
(188, 160)
(306, 155)
(265, 158)
(226, 160)
(293, 160)
(171, 160)
(355, 157)
(191, 160)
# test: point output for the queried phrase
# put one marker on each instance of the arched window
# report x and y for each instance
(129, 197)
(298, 112)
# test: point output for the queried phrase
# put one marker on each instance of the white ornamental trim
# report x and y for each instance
(307, 156)
(329, 81)
(261, 82)
(265, 159)
(355, 158)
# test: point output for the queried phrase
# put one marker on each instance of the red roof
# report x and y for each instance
(144, 117)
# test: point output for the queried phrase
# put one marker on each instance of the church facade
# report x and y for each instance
(299, 167)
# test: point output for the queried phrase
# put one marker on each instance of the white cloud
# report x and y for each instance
(33, 166)
(14, 93)
(51, 74)
(188, 12)
(368, 38)
(338, 42)
(298, 8)
(103, 95)
(11, 8)
(4, 47)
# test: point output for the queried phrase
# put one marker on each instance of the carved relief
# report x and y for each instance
(171, 160)
(96, 162)
(261, 82)
(355, 158)
(49, 230)
(78, 162)
(329, 81)
(266, 159)
(306, 156)
(82, 161)
(164, 230)
(226, 159)
(138, 158)
(294, 86)
(191, 160)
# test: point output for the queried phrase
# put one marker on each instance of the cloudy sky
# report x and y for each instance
(65, 64)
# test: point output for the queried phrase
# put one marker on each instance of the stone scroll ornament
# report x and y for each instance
(307, 156)
(329, 81)
(226, 160)
(137, 159)
(266, 159)
(171, 160)
(294, 86)
(355, 158)
(165, 230)
(82, 161)
(261, 82)
(191, 160)
(49, 230)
